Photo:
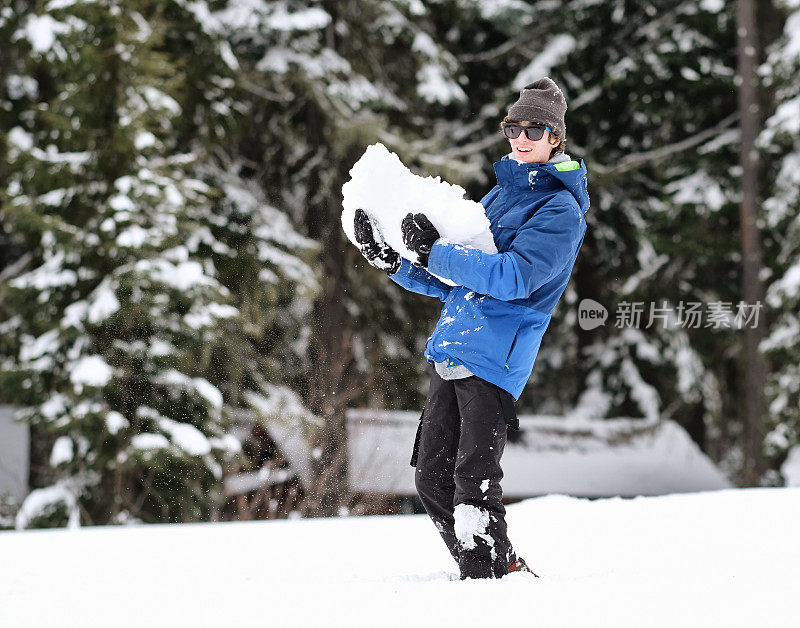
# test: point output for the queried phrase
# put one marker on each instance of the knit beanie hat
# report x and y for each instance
(541, 102)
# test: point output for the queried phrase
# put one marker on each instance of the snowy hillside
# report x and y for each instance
(728, 558)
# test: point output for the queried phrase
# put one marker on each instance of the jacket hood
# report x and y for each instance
(570, 173)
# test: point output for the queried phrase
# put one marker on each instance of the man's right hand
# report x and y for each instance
(379, 254)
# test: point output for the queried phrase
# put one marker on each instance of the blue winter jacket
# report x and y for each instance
(494, 319)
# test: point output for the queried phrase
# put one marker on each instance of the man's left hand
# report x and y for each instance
(419, 234)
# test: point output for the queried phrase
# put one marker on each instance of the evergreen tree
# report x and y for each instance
(661, 167)
(158, 153)
(134, 307)
(662, 232)
(781, 146)
(663, 187)
(325, 81)
(632, 73)
(652, 109)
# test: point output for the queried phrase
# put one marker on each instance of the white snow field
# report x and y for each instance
(728, 559)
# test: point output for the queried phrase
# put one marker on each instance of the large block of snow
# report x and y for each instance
(387, 191)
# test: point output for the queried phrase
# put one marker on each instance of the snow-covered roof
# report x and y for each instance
(790, 469)
(587, 458)
(14, 438)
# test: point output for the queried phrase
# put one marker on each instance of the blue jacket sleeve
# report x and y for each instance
(420, 281)
(540, 250)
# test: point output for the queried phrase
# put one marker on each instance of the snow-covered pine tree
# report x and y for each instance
(780, 142)
(632, 74)
(326, 79)
(652, 110)
(145, 254)
(15, 89)
(663, 188)
(663, 181)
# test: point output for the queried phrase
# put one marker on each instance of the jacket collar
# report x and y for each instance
(559, 173)
(513, 174)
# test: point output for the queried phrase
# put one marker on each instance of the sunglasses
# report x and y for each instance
(534, 131)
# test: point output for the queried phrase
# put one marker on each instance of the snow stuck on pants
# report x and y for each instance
(471, 524)
(386, 190)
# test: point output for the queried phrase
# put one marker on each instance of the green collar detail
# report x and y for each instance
(564, 166)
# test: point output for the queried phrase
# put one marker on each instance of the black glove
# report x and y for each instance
(379, 254)
(419, 234)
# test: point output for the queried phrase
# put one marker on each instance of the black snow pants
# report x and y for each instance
(460, 441)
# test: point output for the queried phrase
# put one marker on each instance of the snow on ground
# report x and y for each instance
(729, 559)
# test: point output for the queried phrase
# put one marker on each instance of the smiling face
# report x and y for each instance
(525, 150)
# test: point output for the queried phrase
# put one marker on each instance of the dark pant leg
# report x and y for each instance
(436, 458)
(480, 526)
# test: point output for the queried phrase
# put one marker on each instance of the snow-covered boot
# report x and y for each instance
(520, 565)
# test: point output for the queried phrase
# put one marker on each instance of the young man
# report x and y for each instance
(488, 335)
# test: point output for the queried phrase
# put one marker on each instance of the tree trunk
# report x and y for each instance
(330, 380)
(752, 292)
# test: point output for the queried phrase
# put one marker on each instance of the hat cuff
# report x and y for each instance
(536, 115)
